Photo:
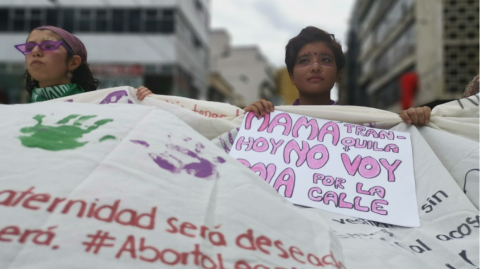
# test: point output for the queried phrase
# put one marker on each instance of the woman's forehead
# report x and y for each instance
(315, 48)
(38, 36)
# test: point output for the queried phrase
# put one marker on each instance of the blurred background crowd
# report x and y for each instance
(400, 53)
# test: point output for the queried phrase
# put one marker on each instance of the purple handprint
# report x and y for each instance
(114, 97)
(202, 168)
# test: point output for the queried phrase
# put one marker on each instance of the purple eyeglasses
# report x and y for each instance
(44, 46)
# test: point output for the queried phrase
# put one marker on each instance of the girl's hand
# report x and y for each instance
(143, 92)
(260, 107)
(417, 116)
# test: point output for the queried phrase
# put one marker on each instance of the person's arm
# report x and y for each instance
(417, 116)
(143, 92)
(261, 107)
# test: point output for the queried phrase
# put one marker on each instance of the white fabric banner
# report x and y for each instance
(152, 186)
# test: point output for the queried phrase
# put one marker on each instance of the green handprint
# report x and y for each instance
(59, 137)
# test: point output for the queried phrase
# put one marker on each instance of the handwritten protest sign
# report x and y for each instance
(339, 167)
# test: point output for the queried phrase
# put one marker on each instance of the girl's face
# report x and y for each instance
(315, 70)
(49, 68)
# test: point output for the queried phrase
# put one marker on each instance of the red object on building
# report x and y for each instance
(408, 88)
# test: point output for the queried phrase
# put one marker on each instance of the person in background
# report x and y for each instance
(315, 61)
(408, 88)
(56, 63)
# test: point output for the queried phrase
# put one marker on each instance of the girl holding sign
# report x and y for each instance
(57, 66)
(315, 62)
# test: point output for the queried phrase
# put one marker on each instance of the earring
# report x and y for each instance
(69, 74)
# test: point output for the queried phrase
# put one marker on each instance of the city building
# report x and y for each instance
(287, 91)
(426, 50)
(219, 90)
(162, 44)
(244, 67)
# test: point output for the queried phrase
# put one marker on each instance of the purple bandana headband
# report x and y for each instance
(73, 42)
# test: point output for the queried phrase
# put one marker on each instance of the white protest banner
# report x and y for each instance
(125, 186)
(43, 191)
(339, 167)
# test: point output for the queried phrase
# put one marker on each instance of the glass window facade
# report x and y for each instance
(187, 35)
(367, 44)
(392, 18)
(401, 48)
(371, 13)
(83, 20)
(389, 94)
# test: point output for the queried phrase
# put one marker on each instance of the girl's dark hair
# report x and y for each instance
(308, 35)
(81, 76)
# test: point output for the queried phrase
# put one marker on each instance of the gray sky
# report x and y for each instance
(271, 23)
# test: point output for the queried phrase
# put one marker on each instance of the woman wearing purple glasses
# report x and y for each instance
(57, 66)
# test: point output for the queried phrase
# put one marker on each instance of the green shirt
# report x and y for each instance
(49, 93)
